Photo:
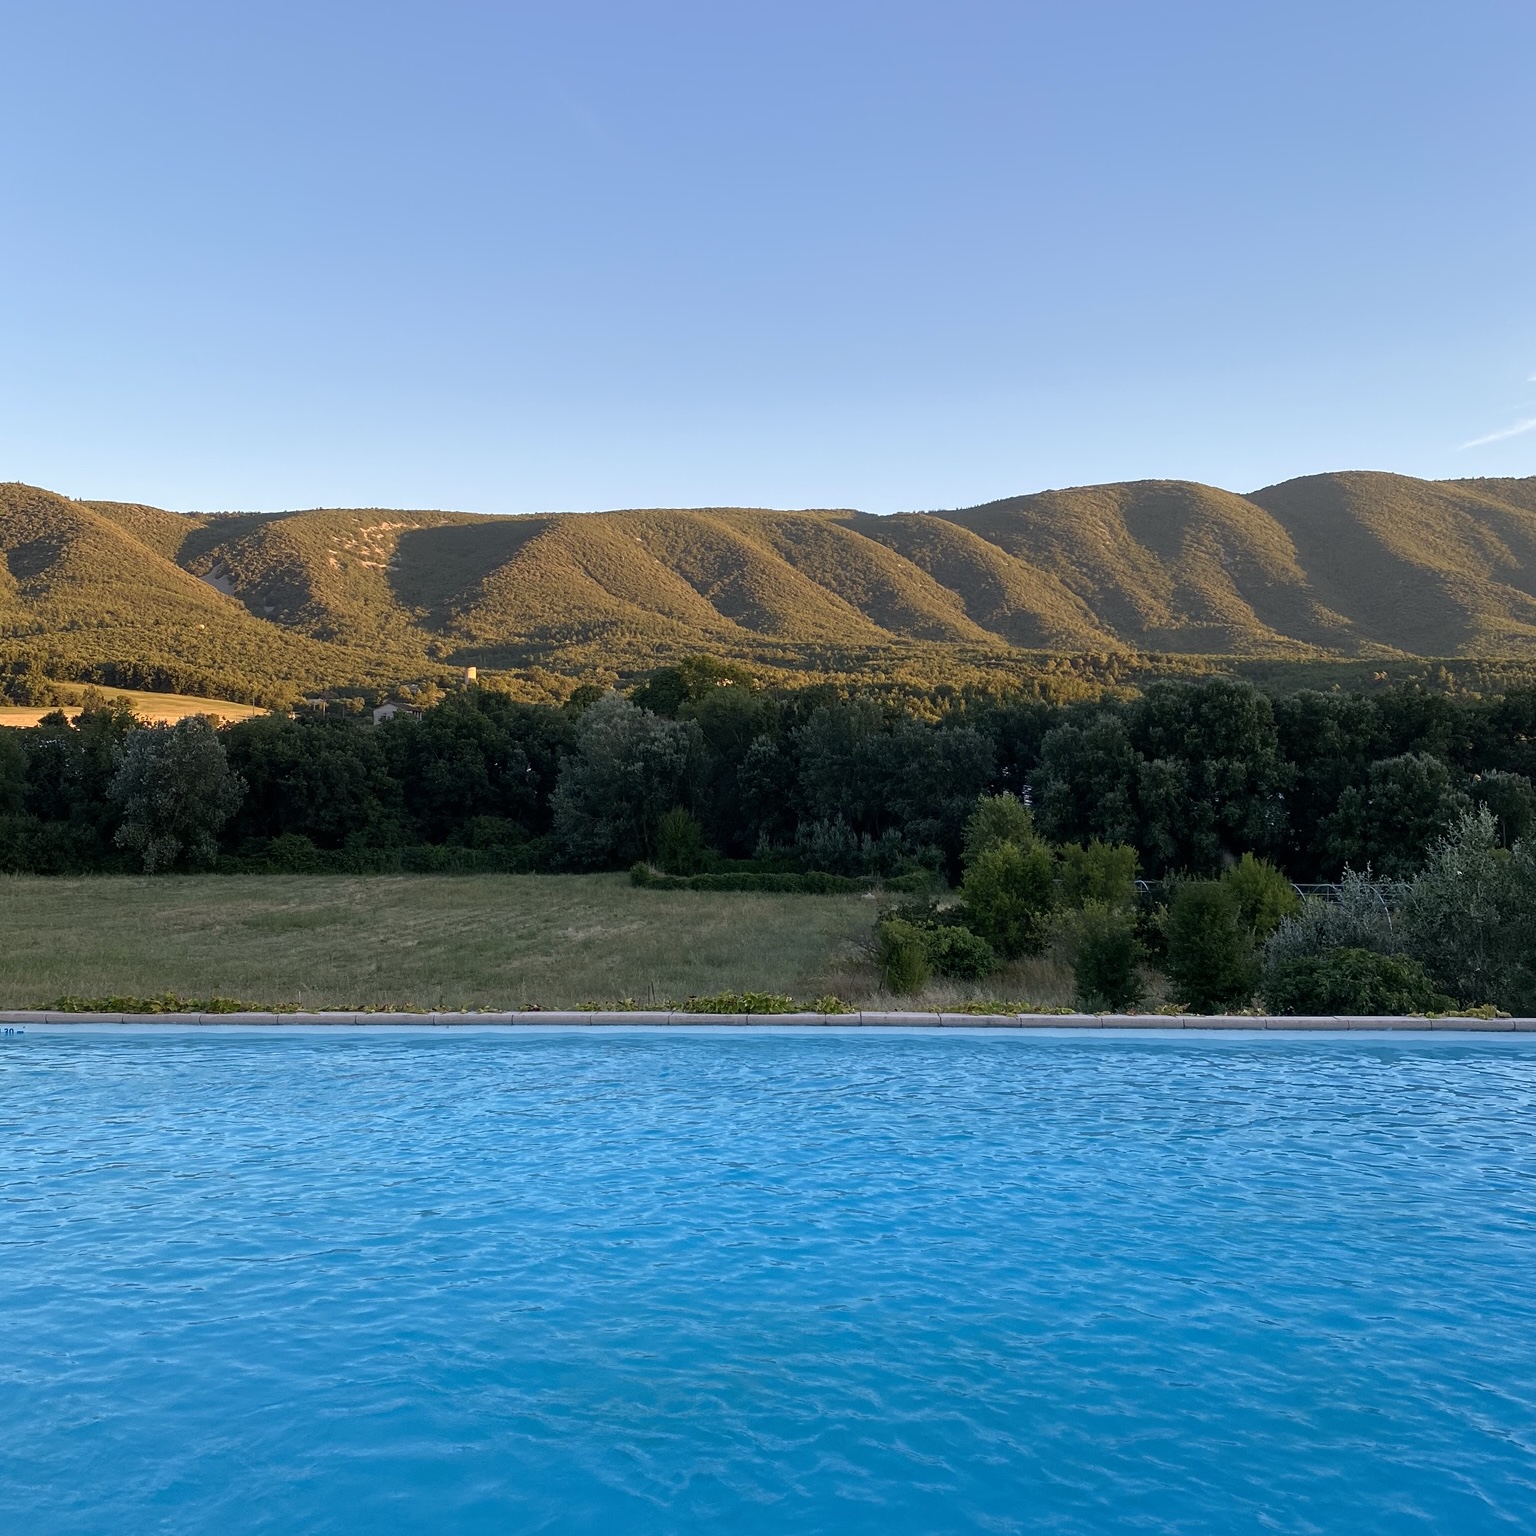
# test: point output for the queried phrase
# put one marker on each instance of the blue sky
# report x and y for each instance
(513, 257)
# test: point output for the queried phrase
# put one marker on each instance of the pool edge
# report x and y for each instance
(888, 1019)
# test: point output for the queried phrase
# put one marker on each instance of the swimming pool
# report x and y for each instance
(679, 1281)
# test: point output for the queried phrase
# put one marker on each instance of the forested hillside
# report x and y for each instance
(264, 605)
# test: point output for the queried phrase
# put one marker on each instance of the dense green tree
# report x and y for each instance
(668, 689)
(67, 819)
(1085, 784)
(477, 755)
(1416, 721)
(629, 768)
(322, 778)
(833, 745)
(1331, 739)
(13, 775)
(1511, 797)
(175, 790)
(70, 765)
(1389, 820)
(1017, 729)
(881, 777)
(929, 782)
(732, 721)
(997, 819)
(767, 791)
(1213, 782)
(1505, 733)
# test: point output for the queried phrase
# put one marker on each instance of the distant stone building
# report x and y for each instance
(389, 711)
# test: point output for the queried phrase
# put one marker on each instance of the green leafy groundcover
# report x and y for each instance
(166, 1002)
(729, 1002)
(983, 1008)
(721, 1002)
(742, 1002)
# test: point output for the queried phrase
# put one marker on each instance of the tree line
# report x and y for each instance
(699, 768)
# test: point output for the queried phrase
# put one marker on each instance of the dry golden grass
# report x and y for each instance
(164, 708)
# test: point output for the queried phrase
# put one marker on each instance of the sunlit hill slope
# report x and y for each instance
(1351, 565)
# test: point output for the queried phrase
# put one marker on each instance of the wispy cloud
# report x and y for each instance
(1519, 429)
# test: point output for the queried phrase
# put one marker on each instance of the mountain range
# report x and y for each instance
(1359, 565)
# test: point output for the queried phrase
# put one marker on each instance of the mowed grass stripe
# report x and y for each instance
(421, 941)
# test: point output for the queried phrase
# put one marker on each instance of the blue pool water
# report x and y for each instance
(846, 1282)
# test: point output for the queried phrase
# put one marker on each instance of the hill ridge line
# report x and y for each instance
(1358, 564)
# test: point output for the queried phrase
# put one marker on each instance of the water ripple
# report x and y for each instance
(678, 1282)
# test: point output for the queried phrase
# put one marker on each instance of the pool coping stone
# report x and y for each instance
(870, 1018)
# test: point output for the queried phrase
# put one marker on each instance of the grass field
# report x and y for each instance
(427, 941)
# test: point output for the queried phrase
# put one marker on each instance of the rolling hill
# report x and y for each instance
(1356, 565)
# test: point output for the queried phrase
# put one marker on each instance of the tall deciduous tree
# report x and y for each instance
(176, 790)
(629, 769)
(1387, 822)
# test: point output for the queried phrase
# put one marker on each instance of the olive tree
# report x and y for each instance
(1470, 915)
(175, 790)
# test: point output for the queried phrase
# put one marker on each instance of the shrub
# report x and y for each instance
(1102, 947)
(1265, 897)
(1470, 916)
(901, 954)
(1213, 958)
(293, 854)
(1359, 917)
(960, 954)
(679, 843)
(1008, 894)
(1352, 981)
(829, 844)
(1104, 873)
(997, 819)
(833, 1004)
(741, 1002)
(480, 832)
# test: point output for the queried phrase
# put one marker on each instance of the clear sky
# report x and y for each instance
(512, 257)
